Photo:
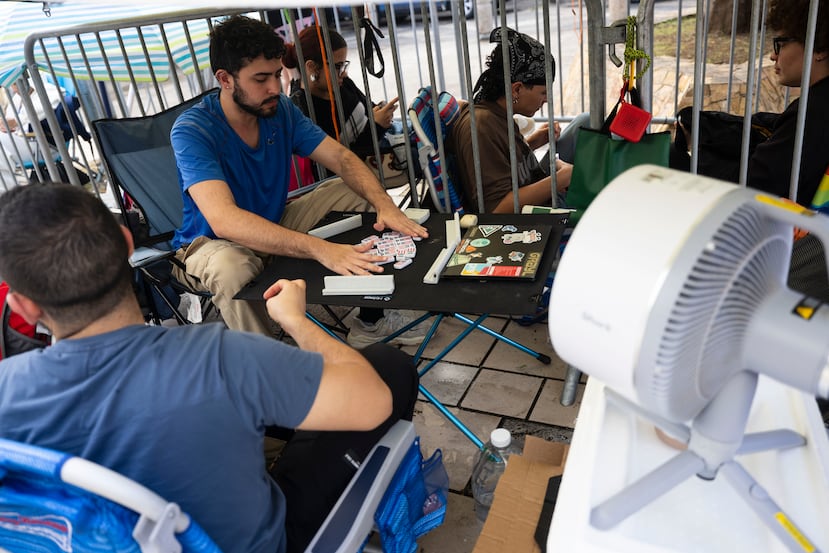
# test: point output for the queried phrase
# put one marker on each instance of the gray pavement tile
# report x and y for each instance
(535, 337)
(447, 381)
(459, 531)
(548, 408)
(459, 453)
(470, 351)
(503, 393)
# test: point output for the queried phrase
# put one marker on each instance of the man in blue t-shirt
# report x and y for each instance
(233, 152)
(183, 410)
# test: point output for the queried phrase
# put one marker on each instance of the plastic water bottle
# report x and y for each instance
(490, 465)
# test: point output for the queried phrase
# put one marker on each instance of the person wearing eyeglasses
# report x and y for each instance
(771, 163)
(356, 133)
(369, 325)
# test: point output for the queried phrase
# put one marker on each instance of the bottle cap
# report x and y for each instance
(500, 438)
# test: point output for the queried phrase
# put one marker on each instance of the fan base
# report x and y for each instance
(695, 515)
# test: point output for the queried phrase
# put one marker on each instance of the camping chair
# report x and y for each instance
(72, 130)
(30, 158)
(394, 491)
(52, 501)
(139, 160)
(422, 117)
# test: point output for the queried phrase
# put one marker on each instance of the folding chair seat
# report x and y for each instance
(52, 501)
(140, 161)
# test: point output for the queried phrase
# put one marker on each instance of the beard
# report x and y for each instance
(240, 97)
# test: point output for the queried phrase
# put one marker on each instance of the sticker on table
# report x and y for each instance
(495, 260)
(526, 237)
(474, 268)
(485, 269)
(486, 230)
(459, 259)
(516, 256)
(510, 228)
(480, 242)
(531, 236)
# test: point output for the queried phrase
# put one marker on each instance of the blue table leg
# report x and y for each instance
(540, 356)
(452, 418)
(323, 326)
(439, 357)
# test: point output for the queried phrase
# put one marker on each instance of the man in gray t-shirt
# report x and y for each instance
(183, 410)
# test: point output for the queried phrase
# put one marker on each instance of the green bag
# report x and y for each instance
(600, 158)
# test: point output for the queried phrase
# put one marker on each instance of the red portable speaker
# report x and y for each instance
(630, 122)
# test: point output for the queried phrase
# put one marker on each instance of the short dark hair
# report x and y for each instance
(238, 40)
(61, 247)
(789, 18)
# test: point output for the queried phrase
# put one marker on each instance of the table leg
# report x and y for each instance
(540, 356)
(323, 326)
(571, 386)
(452, 418)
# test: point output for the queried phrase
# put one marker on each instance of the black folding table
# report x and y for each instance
(451, 297)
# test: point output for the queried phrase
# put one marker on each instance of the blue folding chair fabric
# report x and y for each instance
(389, 479)
(54, 502)
(414, 503)
(422, 116)
(140, 161)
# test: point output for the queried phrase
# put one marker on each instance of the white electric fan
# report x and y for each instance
(672, 292)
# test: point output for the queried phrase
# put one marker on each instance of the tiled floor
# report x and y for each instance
(486, 384)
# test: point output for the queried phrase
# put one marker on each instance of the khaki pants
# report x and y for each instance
(222, 267)
(333, 195)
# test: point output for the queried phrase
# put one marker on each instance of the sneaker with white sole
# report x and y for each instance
(362, 334)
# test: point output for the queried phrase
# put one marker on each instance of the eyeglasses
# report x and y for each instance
(779, 41)
(342, 67)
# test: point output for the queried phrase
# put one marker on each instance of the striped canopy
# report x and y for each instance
(104, 52)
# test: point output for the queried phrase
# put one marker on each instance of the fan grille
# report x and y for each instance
(705, 329)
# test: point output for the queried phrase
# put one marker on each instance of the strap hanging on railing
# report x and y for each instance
(327, 77)
(370, 45)
(632, 54)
